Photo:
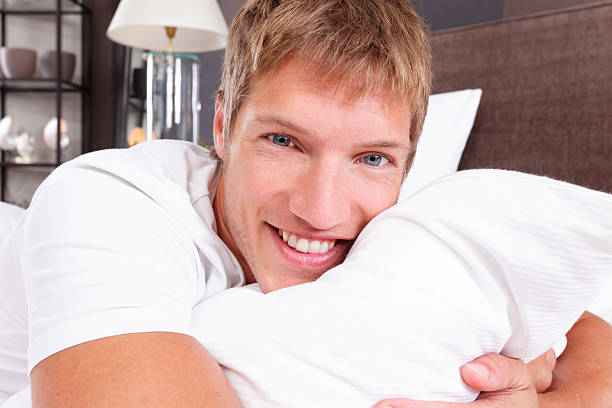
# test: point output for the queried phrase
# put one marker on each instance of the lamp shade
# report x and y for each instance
(140, 24)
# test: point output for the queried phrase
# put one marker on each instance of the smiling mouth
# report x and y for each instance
(304, 245)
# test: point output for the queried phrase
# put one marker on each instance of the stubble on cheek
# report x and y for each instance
(236, 228)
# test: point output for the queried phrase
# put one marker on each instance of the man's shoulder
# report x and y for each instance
(164, 187)
(171, 155)
(159, 168)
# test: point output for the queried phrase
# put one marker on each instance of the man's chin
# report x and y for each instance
(271, 285)
(291, 276)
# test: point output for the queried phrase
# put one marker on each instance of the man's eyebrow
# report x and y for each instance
(385, 144)
(273, 120)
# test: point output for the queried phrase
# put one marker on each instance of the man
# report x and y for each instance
(316, 122)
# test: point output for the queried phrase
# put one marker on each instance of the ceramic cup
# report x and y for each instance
(17, 62)
(48, 64)
(50, 134)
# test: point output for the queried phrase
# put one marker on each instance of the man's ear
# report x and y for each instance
(218, 129)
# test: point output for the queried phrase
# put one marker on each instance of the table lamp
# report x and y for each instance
(167, 30)
(190, 25)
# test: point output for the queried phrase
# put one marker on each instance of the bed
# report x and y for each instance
(546, 105)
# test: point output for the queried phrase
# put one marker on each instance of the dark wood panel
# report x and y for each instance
(104, 86)
(442, 14)
(547, 93)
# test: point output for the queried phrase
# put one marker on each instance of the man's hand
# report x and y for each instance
(582, 376)
(541, 370)
(505, 382)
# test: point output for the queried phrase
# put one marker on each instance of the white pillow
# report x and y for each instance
(480, 261)
(9, 214)
(602, 306)
(449, 121)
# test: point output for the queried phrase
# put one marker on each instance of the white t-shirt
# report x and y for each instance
(114, 242)
(9, 214)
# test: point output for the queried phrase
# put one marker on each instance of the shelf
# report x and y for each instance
(51, 10)
(39, 85)
(12, 164)
(41, 7)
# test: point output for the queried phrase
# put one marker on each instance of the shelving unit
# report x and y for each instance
(57, 86)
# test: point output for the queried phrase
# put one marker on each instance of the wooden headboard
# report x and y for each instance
(547, 92)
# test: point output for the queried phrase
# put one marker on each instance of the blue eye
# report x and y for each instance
(375, 160)
(280, 140)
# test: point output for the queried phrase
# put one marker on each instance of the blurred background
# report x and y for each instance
(99, 104)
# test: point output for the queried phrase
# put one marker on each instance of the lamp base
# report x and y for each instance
(172, 104)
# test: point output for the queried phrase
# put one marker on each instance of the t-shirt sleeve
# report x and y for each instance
(101, 258)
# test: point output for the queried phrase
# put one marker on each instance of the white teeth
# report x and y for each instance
(302, 245)
(292, 241)
(305, 246)
(314, 247)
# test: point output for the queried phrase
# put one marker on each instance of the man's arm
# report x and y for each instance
(94, 271)
(156, 369)
(583, 375)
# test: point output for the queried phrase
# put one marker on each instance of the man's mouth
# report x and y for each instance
(304, 245)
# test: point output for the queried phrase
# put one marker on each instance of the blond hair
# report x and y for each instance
(375, 46)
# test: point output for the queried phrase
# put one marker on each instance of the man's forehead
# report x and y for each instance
(353, 88)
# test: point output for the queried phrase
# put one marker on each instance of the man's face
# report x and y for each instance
(307, 168)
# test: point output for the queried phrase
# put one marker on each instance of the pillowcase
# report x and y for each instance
(602, 306)
(448, 123)
(9, 214)
(480, 261)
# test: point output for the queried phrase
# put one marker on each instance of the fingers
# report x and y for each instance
(493, 372)
(505, 382)
(541, 370)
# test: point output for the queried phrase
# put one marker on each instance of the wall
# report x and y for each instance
(210, 74)
(443, 14)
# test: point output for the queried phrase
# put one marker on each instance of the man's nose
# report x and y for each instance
(320, 197)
